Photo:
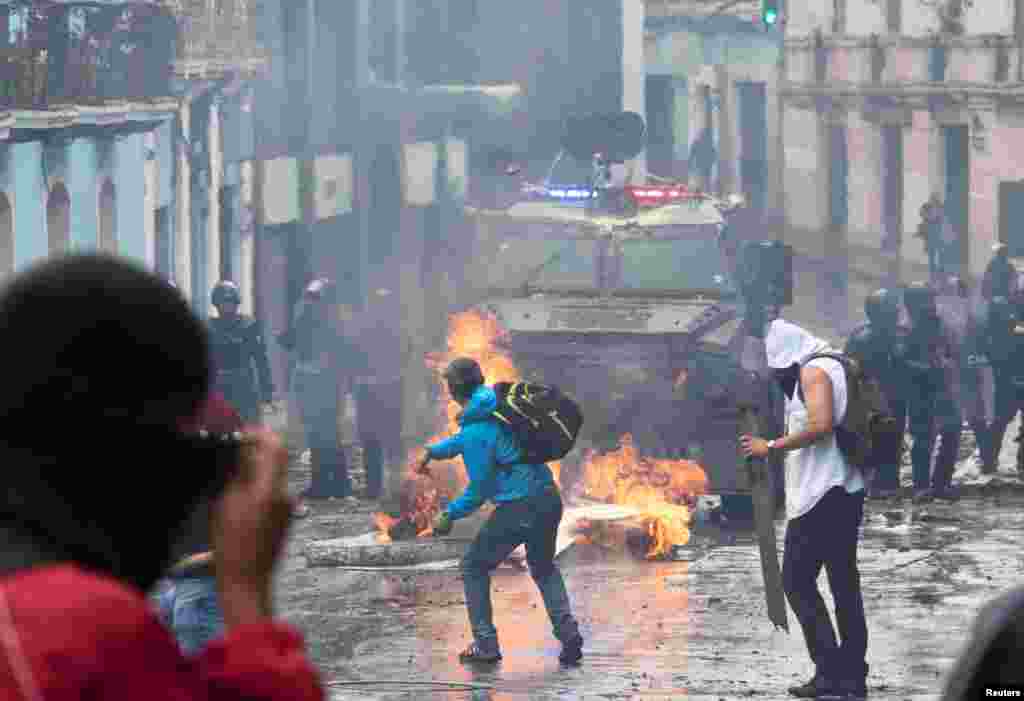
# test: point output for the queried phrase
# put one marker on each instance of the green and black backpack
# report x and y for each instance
(545, 421)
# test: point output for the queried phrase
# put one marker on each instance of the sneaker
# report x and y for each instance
(572, 650)
(948, 493)
(815, 687)
(885, 493)
(480, 653)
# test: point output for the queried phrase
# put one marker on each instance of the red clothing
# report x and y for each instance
(216, 415)
(86, 636)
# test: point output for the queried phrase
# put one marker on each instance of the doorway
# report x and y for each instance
(1011, 214)
(58, 219)
(892, 189)
(108, 218)
(164, 243)
(228, 235)
(6, 236)
(753, 123)
(957, 186)
(660, 95)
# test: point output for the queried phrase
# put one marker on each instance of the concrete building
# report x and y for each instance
(80, 88)
(888, 102)
(125, 127)
(712, 73)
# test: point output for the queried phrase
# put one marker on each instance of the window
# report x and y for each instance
(108, 218)
(894, 16)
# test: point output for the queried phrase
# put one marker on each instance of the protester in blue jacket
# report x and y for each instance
(529, 509)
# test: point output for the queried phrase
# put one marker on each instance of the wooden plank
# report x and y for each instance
(764, 512)
(363, 552)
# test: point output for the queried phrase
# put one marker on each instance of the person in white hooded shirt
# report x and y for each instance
(825, 507)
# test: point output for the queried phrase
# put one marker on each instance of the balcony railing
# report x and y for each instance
(54, 54)
(218, 30)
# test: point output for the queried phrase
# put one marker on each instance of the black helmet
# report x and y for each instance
(882, 307)
(919, 298)
(463, 376)
(320, 288)
(225, 292)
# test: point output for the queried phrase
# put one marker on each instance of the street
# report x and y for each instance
(667, 629)
(659, 630)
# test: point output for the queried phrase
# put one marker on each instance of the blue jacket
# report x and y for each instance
(485, 443)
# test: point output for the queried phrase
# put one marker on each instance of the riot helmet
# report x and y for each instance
(919, 299)
(463, 376)
(882, 308)
(225, 292)
(319, 289)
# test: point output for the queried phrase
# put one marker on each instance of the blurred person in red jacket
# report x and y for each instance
(189, 603)
(120, 366)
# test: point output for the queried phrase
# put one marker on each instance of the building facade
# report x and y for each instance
(81, 91)
(126, 127)
(712, 98)
(890, 102)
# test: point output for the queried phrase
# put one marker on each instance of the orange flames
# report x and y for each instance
(664, 490)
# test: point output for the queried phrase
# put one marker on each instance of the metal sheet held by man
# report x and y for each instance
(347, 552)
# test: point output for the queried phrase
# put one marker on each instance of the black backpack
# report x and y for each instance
(545, 421)
(867, 431)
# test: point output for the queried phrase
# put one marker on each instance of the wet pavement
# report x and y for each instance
(665, 630)
(659, 630)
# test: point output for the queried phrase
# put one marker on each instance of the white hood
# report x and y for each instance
(788, 344)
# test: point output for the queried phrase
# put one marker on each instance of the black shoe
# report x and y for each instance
(816, 687)
(572, 650)
(850, 690)
(487, 654)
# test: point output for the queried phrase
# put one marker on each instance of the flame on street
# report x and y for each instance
(664, 491)
(471, 334)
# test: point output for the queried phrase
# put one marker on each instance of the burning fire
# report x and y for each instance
(664, 490)
(471, 334)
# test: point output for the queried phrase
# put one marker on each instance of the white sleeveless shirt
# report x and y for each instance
(813, 470)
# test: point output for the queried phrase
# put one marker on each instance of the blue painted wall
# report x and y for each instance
(84, 192)
(130, 182)
(30, 242)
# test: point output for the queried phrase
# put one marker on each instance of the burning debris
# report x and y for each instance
(472, 334)
(664, 491)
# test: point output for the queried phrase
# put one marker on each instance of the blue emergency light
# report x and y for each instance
(571, 193)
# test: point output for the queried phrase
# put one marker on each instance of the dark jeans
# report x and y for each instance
(826, 536)
(533, 521)
(317, 395)
(933, 412)
(887, 474)
(239, 390)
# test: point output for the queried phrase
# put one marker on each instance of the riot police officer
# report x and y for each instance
(317, 381)
(1006, 351)
(239, 354)
(931, 362)
(879, 346)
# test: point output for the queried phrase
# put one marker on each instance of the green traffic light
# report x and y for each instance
(771, 16)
